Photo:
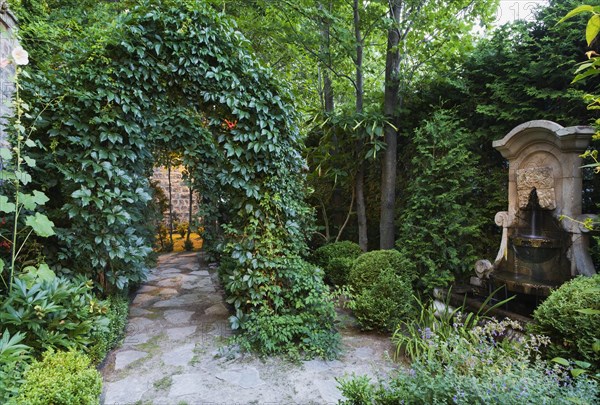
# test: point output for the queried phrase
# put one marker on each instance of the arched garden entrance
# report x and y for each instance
(180, 78)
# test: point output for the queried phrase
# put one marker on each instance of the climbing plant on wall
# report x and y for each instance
(174, 74)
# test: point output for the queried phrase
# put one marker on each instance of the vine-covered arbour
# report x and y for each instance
(174, 75)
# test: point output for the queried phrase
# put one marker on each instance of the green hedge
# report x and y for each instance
(387, 302)
(382, 281)
(367, 268)
(570, 317)
(336, 260)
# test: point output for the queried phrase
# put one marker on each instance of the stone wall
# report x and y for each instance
(180, 193)
(8, 23)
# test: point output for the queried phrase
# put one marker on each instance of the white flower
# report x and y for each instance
(4, 63)
(20, 56)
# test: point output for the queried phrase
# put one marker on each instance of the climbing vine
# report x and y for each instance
(176, 75)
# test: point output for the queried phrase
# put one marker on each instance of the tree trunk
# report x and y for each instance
(326, 57)
(361, 209)
(328, 103)
(391, 111)
(190, 213)
(359, 180)
(170, 199)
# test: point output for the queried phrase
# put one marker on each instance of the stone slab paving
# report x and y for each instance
(176, 350)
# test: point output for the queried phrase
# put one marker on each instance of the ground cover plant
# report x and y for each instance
(14, 358)
(456, 358)
(53, 314)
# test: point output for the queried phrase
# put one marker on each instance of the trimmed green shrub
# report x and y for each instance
(569, 316)
(323, 255)
(336, 272)
(386, 303)
(106, 339)
(336, 260)
(367, 268)
(61, 378)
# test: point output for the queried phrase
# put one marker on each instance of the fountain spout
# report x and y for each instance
(535, 218)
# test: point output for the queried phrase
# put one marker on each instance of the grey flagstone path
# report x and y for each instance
(176, 350)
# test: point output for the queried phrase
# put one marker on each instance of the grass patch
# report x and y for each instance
(178, 242)
(151, 345)
(164, 383)
(199, 350)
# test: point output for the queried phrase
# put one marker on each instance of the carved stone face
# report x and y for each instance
(540, 178)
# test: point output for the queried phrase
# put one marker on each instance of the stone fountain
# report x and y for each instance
(544, 242)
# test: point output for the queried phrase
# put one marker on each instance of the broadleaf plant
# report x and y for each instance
(15, 200)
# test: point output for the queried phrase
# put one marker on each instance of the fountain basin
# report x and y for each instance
(535, 249)
(523, 283)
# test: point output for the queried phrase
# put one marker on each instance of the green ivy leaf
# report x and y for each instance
(40, 274)
(5, 205)
(40, 224)
(5, 154)
(583, 364)
(23, 177)
(30, 201)
(44, 273)
(29, 161)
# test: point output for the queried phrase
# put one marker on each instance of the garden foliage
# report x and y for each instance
(570, 316)
(172, 75)
(387, 302)
(61, 378)
(368, 266)
(105, 339)
(438, 222)
(59, 313)
(460, 360)
(14, 357)
(383, 283)
(514, 381)
(336, 260)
